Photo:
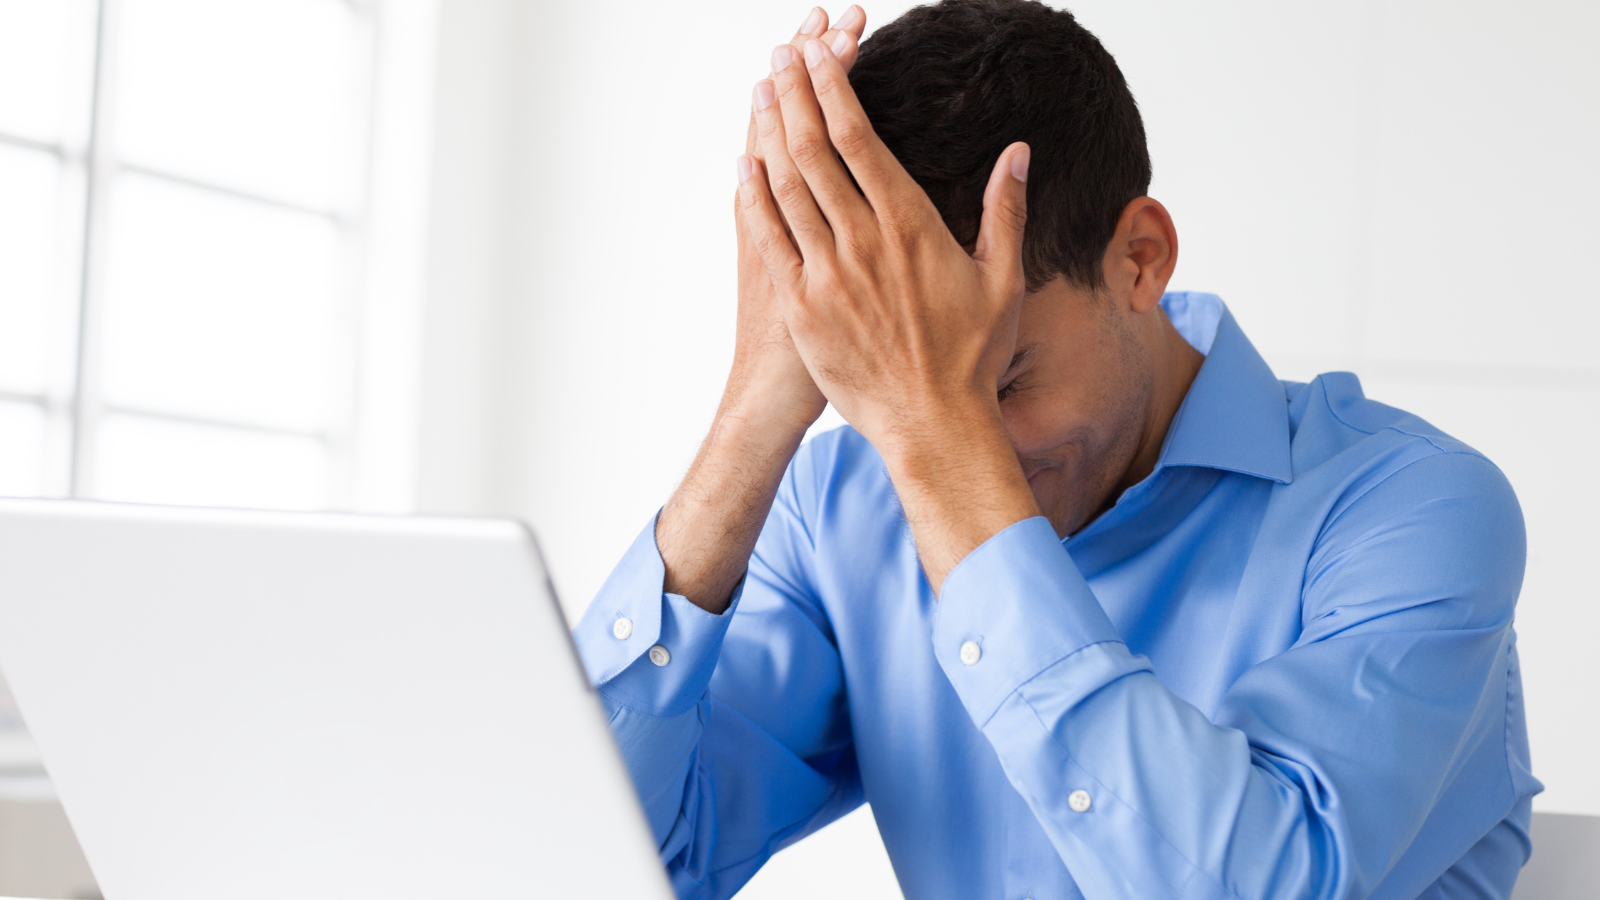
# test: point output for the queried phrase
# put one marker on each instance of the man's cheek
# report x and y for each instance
(1033, 428)
(1021, 424)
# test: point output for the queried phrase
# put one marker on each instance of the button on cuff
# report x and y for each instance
(1022, 601)
(632, 592)
(621, 668)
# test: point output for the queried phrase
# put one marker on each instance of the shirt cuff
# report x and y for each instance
(1011, 609)
(633, 616)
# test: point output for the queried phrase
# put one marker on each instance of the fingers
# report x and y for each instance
(806, 137)
(815, 25)
(1005, 215)
(878, 173)
(788, 186)
(762, 222)
(852, 21)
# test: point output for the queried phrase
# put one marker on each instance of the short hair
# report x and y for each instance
(950, 85)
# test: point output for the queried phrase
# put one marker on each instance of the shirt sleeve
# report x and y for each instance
(734, 754)
(1321, 763)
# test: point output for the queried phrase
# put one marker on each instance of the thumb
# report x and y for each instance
(1005, 213)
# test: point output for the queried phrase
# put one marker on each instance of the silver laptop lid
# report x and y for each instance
(246, 704)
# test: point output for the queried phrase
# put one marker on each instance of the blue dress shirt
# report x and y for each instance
(1282, 665)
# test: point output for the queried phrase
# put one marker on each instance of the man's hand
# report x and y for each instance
(766, 370)
(904, 331)
(709, 526)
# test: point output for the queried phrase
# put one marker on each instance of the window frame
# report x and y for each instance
(369, 442)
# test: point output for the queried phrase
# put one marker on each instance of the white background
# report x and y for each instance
(1401, 189)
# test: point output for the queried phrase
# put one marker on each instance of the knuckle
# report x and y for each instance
(1016, 215)
(789, 188)
(825, 88)
(852, 138)
(777, 255)
(899, 220)
(765, 126)
(809, 232)
(856, 245)
(767, 242)
(806, 148)
(745, 204)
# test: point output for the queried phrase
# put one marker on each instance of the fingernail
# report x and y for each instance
(1019, 164)
(764, 94)
(746, 167)
(781, 57)
(812, 21)
(846, 20)
(840, 41)
(814, 53)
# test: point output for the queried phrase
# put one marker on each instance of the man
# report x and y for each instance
(1085, 602)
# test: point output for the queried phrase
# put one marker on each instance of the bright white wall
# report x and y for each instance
(1406, 190)
(1398, 188)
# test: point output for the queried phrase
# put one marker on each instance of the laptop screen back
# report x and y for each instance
(240, 705)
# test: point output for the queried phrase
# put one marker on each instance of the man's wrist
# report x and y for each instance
(958, 479)
(769, 405)
(960, 461)
(912, 432)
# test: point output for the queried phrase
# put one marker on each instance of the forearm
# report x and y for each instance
(709, 527)
(959, 481)
(680, 743)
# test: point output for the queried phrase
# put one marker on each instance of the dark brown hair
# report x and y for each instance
(950, 85)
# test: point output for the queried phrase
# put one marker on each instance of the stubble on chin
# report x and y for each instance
(1090, 476)
(1074, 494)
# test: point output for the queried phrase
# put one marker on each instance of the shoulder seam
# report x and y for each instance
(1395, 428)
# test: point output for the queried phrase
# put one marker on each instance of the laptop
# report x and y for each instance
(237, 704)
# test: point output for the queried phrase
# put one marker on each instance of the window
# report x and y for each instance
(212, 233)
(184, 196)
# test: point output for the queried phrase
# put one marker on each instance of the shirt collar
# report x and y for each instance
(1236, 415)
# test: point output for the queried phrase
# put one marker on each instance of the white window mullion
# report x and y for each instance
(31, 144)
(101, 169)
(384, 450)
(338, 217)
(46, 58)
(343, 398)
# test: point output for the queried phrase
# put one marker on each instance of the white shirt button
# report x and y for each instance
(621, 628)
(971, 652)
(660, 656)
(1079, 801)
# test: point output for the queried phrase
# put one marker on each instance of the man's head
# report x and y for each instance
(949, 86)
(1099, 370)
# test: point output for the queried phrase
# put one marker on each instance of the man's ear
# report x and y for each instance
(1142, 254)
